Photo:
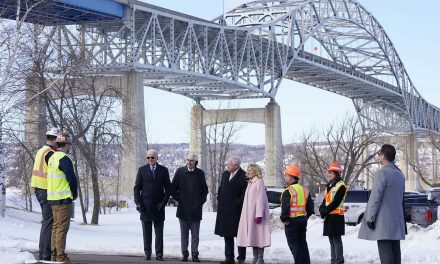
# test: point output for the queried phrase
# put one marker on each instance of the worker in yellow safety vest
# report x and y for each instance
(61, 191)
(296, 207)
(39, 184)
(332, 211)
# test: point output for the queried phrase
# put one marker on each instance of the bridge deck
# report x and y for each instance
(53, 12)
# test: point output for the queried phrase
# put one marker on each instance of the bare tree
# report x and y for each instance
(344, 142)
(219, 138)
(10, 40)
(424, 162)
(89, 115)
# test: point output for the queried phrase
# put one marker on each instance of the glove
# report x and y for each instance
(323, 212)
(258, 220)
(139, 208)
(371, 224)
(161, 205)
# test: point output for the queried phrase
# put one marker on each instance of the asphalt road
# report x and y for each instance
(110, 259)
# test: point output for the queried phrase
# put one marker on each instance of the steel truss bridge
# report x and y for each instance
(335, 45)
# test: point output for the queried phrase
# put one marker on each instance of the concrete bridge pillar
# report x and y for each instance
(273, 156)
(410, 156)
(366, 175)
(133, 115)
(35, 119)
(134, 142)
(197, 143)
(435, 164)
(269, 116)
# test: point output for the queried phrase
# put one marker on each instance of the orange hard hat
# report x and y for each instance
(292, 170)
(335, 166)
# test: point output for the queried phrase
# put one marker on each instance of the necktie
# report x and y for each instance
(153, 168)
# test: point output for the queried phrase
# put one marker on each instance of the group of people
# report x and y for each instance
(383, 220)
(242, 208)
(242, 212)
(55, 185)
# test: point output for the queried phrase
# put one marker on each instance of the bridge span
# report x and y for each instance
(246, 53)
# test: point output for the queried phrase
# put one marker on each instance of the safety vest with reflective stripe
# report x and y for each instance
(329, 196)
(298, 200)
(58, 187)
(39, 171)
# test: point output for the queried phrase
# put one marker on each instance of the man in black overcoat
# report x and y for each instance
(152, 191)
(230, 197)
(190, 191)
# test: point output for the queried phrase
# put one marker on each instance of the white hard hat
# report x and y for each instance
(53, 131)
(63, 138)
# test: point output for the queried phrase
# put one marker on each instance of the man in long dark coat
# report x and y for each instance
(190, 191)
(230, 197)
(152, 191)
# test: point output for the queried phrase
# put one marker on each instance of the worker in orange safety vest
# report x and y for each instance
(296, 208)
(332, 211)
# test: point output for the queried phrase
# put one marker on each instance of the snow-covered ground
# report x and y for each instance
(121, 233)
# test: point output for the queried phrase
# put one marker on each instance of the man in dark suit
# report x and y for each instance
(230, 197)
(152, 191)
(190, 191)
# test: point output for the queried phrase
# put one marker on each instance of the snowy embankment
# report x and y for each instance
(121, 233)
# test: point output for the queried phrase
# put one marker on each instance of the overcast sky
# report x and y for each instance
(413, 27)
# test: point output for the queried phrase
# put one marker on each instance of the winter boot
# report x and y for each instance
(260, 256)
(255, 253)
(185, 257)
(195, 257)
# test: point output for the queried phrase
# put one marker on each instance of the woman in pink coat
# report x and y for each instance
(254, 228)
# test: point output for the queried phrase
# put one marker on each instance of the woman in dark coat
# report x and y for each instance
(332, 210)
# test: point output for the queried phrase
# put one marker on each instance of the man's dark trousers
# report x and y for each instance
(185, 227)
(147, 234)
(296, 239)
(46, 224)
(389, 251)
(229, 250)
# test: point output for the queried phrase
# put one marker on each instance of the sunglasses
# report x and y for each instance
(150, 157)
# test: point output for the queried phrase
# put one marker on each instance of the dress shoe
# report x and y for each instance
(184, 258)
(195, 259)
(227, 261)
(148, 258)
(159, 258)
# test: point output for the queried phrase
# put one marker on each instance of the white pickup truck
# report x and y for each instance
(354, 205)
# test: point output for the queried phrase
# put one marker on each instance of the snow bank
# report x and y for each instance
(121, 233)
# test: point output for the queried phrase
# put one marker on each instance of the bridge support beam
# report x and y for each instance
(134, 142)
(273, 156)
(133, 115)
(435, 164)
(410, 157)
(269, 116)
(35, 123)
(197, 139)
